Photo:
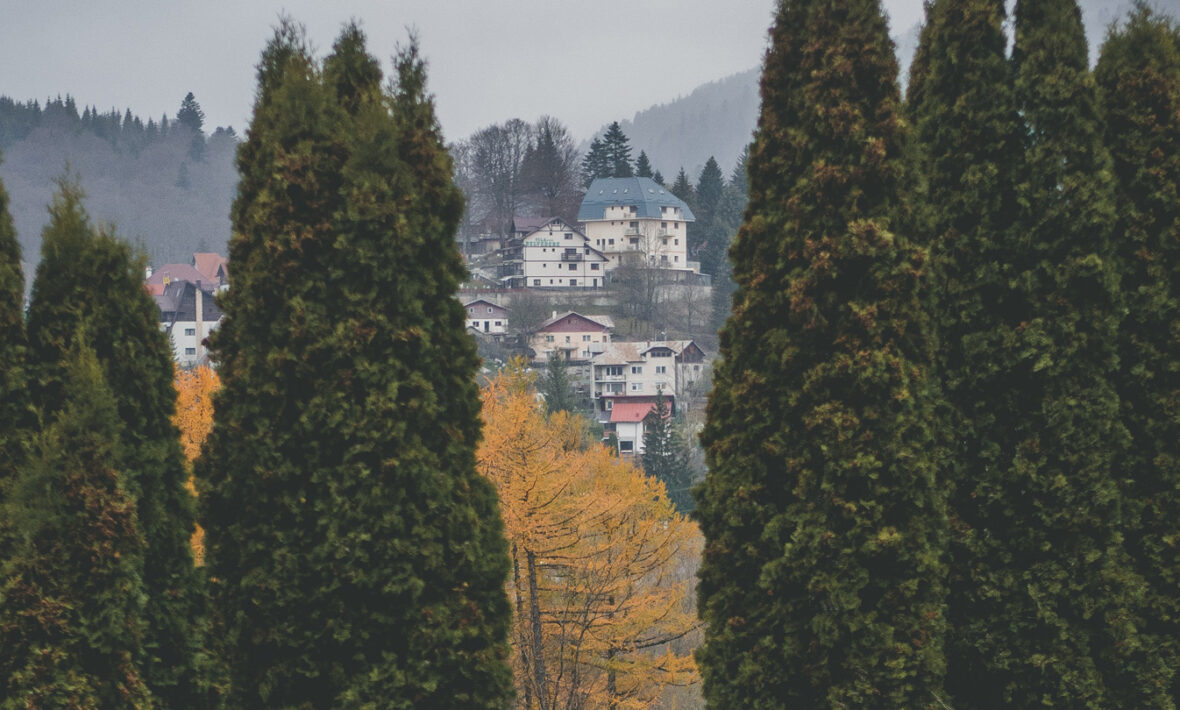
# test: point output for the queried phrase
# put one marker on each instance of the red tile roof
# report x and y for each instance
(208, 263)
(631, 412)
(180, 272)
(572, 323)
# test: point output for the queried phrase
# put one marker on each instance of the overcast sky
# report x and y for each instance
(586, 63)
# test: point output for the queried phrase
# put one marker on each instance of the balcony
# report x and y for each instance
(571, 256)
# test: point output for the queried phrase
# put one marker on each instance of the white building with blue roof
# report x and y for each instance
(637, 221)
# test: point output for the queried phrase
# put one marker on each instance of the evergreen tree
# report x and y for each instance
(665, 455)
(556, 386)
(359, 558)
(190, 115)
(89, 291)
(968, 145)
(658, 177)
(1138, 75)
(617, 148)
(708, 191)
(682, 188)
(71, 600)
(15, 413)
(824, 521)
(596, 164)
(642, 165)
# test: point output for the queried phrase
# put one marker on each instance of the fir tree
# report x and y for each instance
(190, 115)
(665, 455)
(658, 177)
(89, 291)
(1138, 75)
(359, 558)
(642, 165)
(617, 148)
(824, 521)
(682, 188)
(72, 601)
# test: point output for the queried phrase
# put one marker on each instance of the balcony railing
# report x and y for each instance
(567, 256)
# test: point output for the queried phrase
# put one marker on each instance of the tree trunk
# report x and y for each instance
(535, 621)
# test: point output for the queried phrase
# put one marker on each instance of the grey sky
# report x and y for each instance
(586, 63)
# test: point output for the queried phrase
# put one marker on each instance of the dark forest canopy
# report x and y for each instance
(167, 185)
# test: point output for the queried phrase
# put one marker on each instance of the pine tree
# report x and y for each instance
(72, 617)
(15, 411)
(821, 583)
(682, 188)
(359, 559)
(89, 291)
(617, 148)
(658, 177)
(642, 165)
(1138, 75)
(665, 455)
(190, 115)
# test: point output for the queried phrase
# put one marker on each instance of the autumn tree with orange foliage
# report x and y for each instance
(194, 420)
(596, 550)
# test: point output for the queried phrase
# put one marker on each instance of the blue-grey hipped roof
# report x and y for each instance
(644, 193)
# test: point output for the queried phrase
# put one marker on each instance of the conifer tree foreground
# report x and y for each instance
(89, 292)
(14, 400)
(1138, 75)
(968, 142)
(359, 559)
(821, 583)
(72, 617)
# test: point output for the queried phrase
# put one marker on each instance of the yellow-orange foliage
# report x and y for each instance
(194, 419)
(599, 592)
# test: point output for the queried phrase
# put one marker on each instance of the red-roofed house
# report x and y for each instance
(212, 266)
(626, 418)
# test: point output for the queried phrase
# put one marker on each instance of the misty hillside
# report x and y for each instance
(718, 118)
(163, 185)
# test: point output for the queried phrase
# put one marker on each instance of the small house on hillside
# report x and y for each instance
(188, 314)
(626, 419)
(573, 336)
(486, 317)
(646, 367)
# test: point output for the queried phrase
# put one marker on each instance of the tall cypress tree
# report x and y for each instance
(821, 582)
(1043, 593)
(1138, 75)
(968, 148)
(89, 290)
(72, 616)
(359, 558)
(15, 414)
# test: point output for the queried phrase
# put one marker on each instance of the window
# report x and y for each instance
(676, 242)
(675, 225)
(190, 331)
(626, 445)
(663, 225)
(190, 351)
(636, 386)
(569, 235)
(634, 240)
(696, 368)
(489, 309)
(661, 369)
(536, 282)
(608, 405)
(594, 267)
(585, 338)
(634, 225)
(498, 322)
(573, 282)
(637, 369)
(675, 258)
(567, 338)
(613, 371)
(471, 310)
(573, 267)
(611, 242)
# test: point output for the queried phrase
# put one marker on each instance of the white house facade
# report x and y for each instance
(486, 317)
(558, 255)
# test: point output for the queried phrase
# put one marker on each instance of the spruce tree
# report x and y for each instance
(556, 386)
(822, 578)
(1138, 75)
(89, 291)
(359, 559)
(72, 616)
(595, 163)
(665, 455)
(617, 149)
(681, 187)
(642, 165)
